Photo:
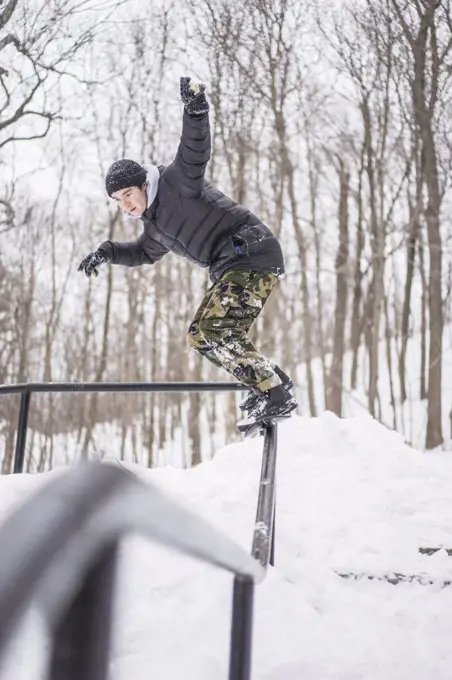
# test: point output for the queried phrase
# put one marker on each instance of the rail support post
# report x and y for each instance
(272, 546)
(19, 456)
(242, 628)
(82, 639)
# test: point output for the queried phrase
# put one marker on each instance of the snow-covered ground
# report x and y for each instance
(352, 497)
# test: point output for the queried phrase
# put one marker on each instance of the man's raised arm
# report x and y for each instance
(193, 153)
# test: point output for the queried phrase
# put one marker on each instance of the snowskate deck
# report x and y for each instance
(252, 428)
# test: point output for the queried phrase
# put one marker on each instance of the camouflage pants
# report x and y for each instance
(220, 326)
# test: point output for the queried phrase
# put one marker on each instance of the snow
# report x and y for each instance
(352, 497)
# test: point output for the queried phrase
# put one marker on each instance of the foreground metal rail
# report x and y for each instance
(41, 558)
(263, 548)
(60, 550)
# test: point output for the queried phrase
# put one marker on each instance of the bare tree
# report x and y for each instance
(334, 388)
(412, 238)
(357, 323)
(427, 41)
(38, 45)
(366, 44)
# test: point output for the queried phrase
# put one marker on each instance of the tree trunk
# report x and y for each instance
(288, 170)
(92, 417)
(357, 320)
(388, 339)
(434, 436)
(425, 121)
(424, 296)
(313, 192)
(194, 433)
(376, 291)
(410, 259)
(334, 390)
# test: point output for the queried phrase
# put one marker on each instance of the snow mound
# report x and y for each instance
(351, 498)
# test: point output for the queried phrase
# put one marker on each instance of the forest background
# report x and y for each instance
(332, 122)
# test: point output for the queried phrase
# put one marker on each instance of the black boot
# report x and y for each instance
(255, 396)
(278, 403)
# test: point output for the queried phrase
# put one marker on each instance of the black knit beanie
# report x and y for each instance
(122, 174)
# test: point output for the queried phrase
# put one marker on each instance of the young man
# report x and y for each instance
(183, 213)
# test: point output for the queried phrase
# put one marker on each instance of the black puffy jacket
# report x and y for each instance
(193, 219)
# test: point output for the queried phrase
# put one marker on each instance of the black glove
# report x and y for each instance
(192, 94)
(90, 263)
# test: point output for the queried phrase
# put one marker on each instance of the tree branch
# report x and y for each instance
(50, 118)
(20, 111)
(403, 23)
(7, 13)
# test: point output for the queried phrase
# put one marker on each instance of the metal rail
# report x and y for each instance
(263, 548)
(39, 555)
(60, 550)
(27, 389)
(121, 387)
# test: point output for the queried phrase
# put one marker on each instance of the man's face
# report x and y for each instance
(131, 199)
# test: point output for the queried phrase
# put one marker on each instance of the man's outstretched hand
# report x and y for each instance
(193, 97)
(90, 263)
